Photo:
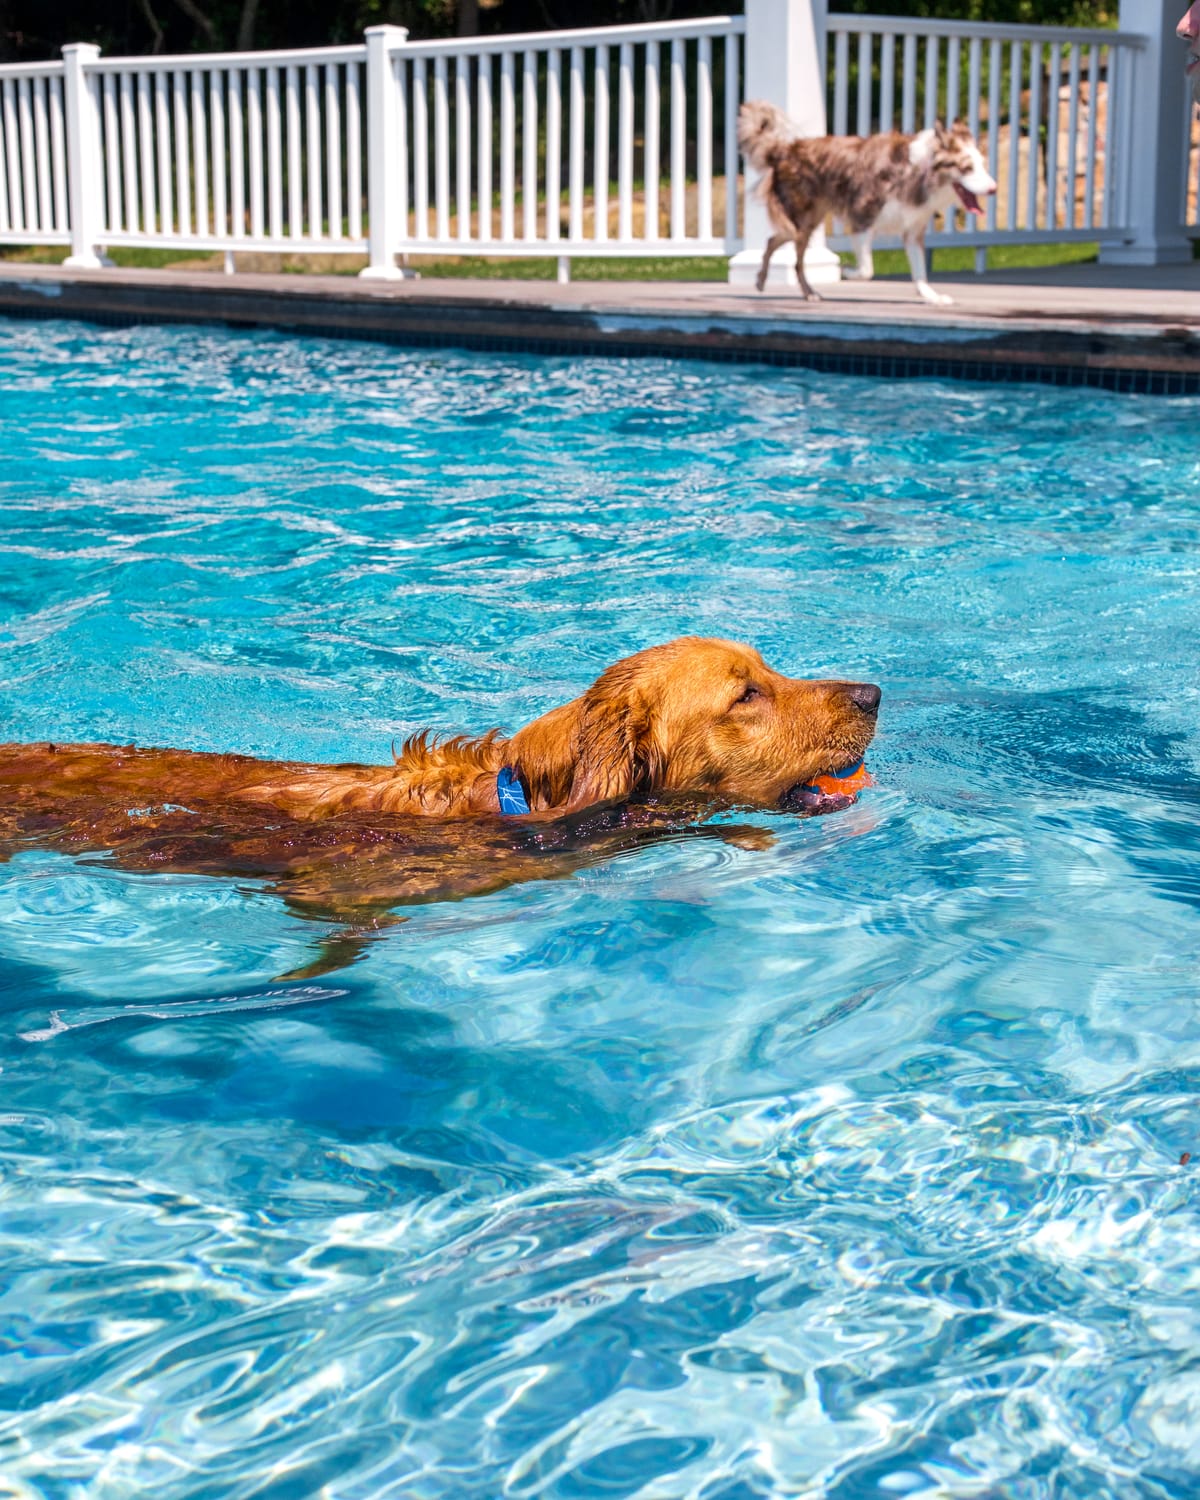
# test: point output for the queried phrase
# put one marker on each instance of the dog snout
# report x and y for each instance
(865, 695)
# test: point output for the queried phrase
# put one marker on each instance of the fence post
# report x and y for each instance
(384, 229)
(785, 64)
(85, 175)
(1151, 140)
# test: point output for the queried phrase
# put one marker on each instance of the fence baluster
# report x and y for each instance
(1016, 65)
(887, 83)
(652, 168)
(483, 89)
(575, 186)
(1072, 137)
(216, 124)
(237, 154)
(529, 143)
(704, 136)
(1035, 116)
(1109, 206)
(441, 150)
(508, 166)
(295, 155)
(41, 137)
(112, 155)
(312, 143)
(841, 82)
(908, 107)
(462, 145)
(162, 140)
(931, 81)
(600, 162)
(865, 47)
(729, 160)
(1053, 90)
(678, 143)
(183, 207)
(200, 151)
(554, 143)
(625, 142)
(1089, 176)
(123, 149)
(145, 130)
(58, 153)
(354, 125)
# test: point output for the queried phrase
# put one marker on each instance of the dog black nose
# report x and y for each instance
(866, 695)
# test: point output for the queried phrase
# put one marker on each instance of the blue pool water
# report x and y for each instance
(846, 1168)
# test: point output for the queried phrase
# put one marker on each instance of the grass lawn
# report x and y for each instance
(543, 268)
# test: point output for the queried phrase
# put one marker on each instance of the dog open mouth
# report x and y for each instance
(968, 199)
(829, 792)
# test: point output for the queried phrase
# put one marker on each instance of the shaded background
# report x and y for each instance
(35, 29)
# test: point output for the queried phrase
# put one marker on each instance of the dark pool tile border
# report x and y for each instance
(1122, 379)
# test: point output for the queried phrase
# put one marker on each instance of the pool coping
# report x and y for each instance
(1135, 343)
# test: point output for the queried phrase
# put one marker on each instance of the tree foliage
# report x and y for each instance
(35, 29)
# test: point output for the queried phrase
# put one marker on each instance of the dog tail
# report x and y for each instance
(762, 130)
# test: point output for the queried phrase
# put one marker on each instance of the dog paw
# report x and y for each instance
(811, 296)
(936, 299)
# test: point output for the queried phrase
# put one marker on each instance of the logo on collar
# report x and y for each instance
(511, 793)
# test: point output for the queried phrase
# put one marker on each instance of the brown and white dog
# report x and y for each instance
(877, 184)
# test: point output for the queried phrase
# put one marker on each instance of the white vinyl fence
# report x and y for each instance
(1049, 106)
(610, 141)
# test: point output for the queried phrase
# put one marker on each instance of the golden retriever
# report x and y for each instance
(705, 720)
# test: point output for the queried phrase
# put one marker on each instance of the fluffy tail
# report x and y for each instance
(762, 130)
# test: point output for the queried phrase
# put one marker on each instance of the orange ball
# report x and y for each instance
(847, 783)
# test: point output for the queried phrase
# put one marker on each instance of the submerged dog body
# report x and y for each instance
(879, 184)
(656, 744)
(694, 715)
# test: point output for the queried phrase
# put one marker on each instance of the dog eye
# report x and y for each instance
(749, 695)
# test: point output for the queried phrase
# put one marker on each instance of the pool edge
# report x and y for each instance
(1142, 355)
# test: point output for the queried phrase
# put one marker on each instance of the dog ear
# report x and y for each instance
(600, 747)
(617, 754)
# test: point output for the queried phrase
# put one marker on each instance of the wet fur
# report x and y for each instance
(666, 727)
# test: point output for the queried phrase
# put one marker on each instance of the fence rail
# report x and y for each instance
(607, 141)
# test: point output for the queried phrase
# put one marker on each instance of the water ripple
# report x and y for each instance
(850, 1158)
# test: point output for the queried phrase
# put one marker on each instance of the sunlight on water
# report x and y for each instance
(849, 1167)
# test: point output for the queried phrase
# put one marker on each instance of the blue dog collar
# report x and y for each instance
(511, 793)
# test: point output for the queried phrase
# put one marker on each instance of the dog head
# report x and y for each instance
(694, 715)
(955, 163)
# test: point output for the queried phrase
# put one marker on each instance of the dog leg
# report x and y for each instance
(802, 240)
(864, 269)
(915, 247)
(772, 245)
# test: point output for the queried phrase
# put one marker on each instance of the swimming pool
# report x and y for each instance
(848, 1168)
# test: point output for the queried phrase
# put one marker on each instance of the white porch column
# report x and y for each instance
(785, 52)
(384, 228)
(85, 175)
(1151, 139)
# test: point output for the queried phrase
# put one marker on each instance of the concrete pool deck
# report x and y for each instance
(1119, 327)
